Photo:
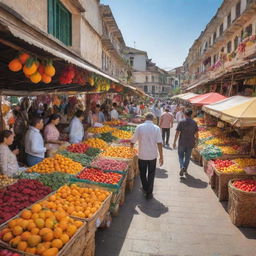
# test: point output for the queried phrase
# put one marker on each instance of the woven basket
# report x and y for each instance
(241, 206)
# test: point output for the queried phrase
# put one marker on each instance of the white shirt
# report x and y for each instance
(148, 136)
(34, 143)
(180, 116)
(173, 108)
(76, 131)
(114, 114)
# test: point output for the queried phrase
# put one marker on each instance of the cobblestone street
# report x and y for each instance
(185, 218)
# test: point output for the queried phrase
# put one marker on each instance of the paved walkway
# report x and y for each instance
(184, 219)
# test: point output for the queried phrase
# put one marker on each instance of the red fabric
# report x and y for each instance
(206, 99)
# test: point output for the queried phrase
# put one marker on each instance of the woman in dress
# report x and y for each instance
(8, 160)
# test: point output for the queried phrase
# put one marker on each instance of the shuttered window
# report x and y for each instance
(59, 22)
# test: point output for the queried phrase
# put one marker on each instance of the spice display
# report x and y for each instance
(109, 164)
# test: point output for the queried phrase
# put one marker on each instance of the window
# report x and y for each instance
(235, 42)
(131, 61)
(214, 59)
(145, 88)
(229, 47)
(146, 79)
(221, 29)
(210, 41)
(152, 79)
(238, 9)
(248, 30)
(153, 89)
(59, 22)
(229, 19)
(214, 37)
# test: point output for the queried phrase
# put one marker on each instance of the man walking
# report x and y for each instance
(149, 137)
(187, 132)
(166, 123)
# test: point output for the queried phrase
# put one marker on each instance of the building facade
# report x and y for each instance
(146, 75)
(219, 47)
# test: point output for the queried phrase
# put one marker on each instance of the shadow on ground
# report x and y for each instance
(161, 173)
(110, 241)
(193, 182)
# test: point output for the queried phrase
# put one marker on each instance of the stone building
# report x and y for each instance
(146, 75)
(222, 47)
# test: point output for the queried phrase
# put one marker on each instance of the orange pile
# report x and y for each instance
(103, 129)
(76, 201)
(58, 163)
(113, 122)
(39, 231)
(119, 151)
(122, 134)
(96, 143)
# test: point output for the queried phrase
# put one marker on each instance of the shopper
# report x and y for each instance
(97, 115)
(76, 128)
(34, 143)
(166, 123)
(114, 114)
(187, 132)
(8, 160)
(149, 137)
(180, 116)
(157, 112)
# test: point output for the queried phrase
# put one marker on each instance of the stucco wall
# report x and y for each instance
(34, 11)
(139, 62)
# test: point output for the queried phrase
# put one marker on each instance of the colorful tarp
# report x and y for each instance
(206, 99)
(237, 110)
(187, 96)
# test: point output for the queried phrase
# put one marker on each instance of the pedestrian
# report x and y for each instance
(76, 128)
(166, 123)
(114, 114)
(157, 112)
(180, 116)
(149, 137)
(187, 132)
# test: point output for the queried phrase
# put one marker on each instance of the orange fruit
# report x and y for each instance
(44, 231)
(25, 236)
(35, 231)
(64, 238)
(24, 224)
(31, 226)
(22, 246)
(71, 230)
(63, 225)
(49, 223)
(48, 237)
(33, 240)
(15, 241)
(31, 250)
(39, 223)
(4, 231)
(18, 230)
(50, 252)
(40, 248)
(26, 214)
(42, 214)
(35, 216)
(47, 245)
(78, 223)
(36, 208)
(57, 243)
(57, 232)
(7, 237)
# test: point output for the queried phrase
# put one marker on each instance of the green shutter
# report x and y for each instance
(59, 22)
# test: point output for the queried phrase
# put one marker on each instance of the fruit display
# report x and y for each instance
(233, 169)
(107, 137)
(247, 185)
(222, 164)
(80, 148)
(214, 141)
(82, 159)
(122, 134)
(96, 143)
(119, 152)
(93, 152)
(100, 176)
(113, 123)
(5, 181)
(229, 150)
(6, 252)
(200, 121)
(109, 164)
(245, 162)
(204, 134)
(103, 129)
(211, 152)
(40, 231)
(19, 196)
(76, 201)
(58, 163)
(128, 128)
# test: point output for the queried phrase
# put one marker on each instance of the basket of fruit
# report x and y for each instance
(242, 202)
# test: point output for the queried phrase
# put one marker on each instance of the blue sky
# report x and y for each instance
(166, 29)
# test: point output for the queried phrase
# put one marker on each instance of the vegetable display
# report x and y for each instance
(222, 164)
(211, 152)
(108, 137)
(93, 152)
(5, 181)
(76, 201)
(58, 163)
(119, 152)
(109, 164)
(40, 231)
(96, 143)
(247, 185)
(19, 196)
(122, 134)
(6, 252)
(78, 148)
(82, 159)
(97, 175)
(128, 128)
(103, 129)
(229, 150)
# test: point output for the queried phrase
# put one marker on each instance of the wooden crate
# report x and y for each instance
(196, 156)
(90, 245)
(221, 181)
(241, 207)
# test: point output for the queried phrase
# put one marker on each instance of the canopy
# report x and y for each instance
(237, 110)
(187, 96)
(206, 99)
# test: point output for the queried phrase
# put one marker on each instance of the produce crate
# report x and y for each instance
(221, 181)
(75, 246)
(89, 248)
(196, 156)
(241, 206)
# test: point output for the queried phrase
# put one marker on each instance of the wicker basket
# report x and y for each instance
(241, 206)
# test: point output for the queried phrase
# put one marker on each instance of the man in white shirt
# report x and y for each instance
(180, 116)
(34, 143)
(114, 114)
(150, 140)
(76, 128)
